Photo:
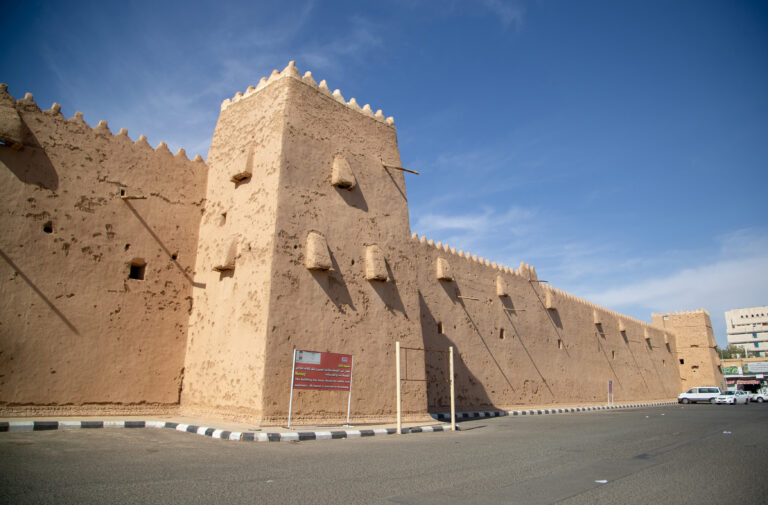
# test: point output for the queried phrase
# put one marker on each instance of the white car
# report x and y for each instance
(733, 397)
(695, 395)
(758, 397)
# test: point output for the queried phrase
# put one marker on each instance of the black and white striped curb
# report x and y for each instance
(500, 413)
(212, 432)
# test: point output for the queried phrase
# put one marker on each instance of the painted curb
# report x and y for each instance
(463, 416)
(213, 432)
(7, 426)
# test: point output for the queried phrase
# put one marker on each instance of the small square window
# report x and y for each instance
(138, 268)
(682, 361)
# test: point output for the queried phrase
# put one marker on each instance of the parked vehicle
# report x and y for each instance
(758, 397)
(732, 398)
(697, 395)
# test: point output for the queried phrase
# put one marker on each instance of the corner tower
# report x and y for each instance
(304, 244)
(699, 363)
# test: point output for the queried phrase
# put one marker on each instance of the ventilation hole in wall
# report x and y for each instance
(668, 348)
(353, 262)
(127, 246)
(502, 334)
(648, 342)
(663, 362)
(694, 367)
(222, 219)
(439, 327)
(175, 256)
(682, 361)
(138, 268)
(624, 336)
(559, 344)
(122, 192)
(613, 354)
(48, 227)
(295, 247)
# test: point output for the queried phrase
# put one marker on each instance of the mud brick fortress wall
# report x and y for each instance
(136, 279)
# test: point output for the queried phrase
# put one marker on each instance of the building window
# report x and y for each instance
(138, 267)
(439, 327)
(501, 334)
(682, 361)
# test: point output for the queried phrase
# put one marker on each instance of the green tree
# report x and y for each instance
(732, 351)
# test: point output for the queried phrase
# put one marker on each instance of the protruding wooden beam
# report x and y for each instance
(386, 165)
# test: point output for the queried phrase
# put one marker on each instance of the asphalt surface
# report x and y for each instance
(702, 454)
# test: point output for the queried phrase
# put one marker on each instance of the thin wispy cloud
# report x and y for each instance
(510, 13)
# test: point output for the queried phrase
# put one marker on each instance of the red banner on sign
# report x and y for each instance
(322, 370)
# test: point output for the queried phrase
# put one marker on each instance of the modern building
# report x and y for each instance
(749, 374)
(748, 329)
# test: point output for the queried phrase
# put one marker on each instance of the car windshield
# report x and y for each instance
(728, 393)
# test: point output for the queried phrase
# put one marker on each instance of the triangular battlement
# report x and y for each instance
(292, 72)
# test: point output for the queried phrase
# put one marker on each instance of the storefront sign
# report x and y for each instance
(732, 370)
(758, 367)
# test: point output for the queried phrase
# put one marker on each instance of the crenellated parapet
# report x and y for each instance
(14, 129)
(525, 270)
(291, 72)
(682, 313)
(528, 272)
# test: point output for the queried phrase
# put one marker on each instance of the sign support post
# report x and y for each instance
(349, 397)
(321, 371)
(453, 403)
(290, 402)
(397, 373)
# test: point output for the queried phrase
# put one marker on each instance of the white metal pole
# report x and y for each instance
(397, 375)
(453, 403)
(293, 375)
(349, 397)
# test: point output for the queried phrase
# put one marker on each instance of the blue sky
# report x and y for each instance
(619, 147)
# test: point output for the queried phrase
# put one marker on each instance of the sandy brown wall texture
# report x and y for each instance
(228, 330)
(699, 362)
(75, 329)
(366, 299)
(371, 284)
(519, 341)
(295, 236)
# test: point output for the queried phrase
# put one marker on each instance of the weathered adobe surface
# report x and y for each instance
(696, 348)
(227, 339)
(270, 195)
(513, 350)
(76, 333)
(555, 355)
(339, 309)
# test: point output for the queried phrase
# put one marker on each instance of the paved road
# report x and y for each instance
(677, 454)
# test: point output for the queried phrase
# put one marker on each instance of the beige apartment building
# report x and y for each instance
(748, 329)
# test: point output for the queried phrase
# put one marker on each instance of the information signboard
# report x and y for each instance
(326, 371)
(322, 370)
(758, 367)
